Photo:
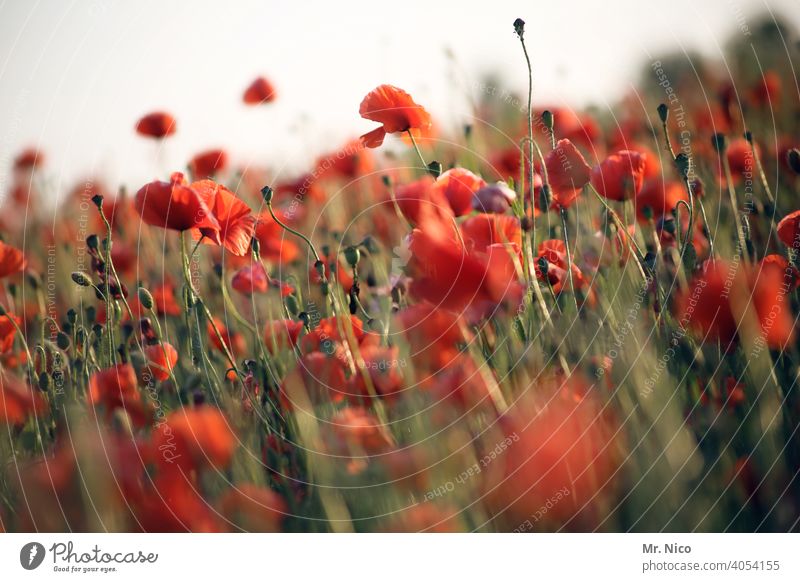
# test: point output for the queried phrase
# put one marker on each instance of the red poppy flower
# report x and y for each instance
(620, 175)
(789, 230)
(253, 509)
(770, 294)
(207, 164)
(11, 260)
(28, 159)
(660, 197)
(326, 334)
(705, 305)
(160, 363)
(281, 334)
(555, 251)
(164, 298)
(18, 401)
(360, 430)
(395, 110)
(740, 157)
(259, 91)
(482, 230)
(458, 186)
(116, 388)
(158, 124)
(275, 244)
(233, 339)
(421, 196)
(567, 173)
(8, 331)
(196, 438)
(250, 279)
(174, 205)
(235, 223)
(767, 90)
(343, 275)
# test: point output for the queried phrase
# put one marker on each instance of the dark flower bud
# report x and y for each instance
(526, 224)
(467, 131)
(387, 180)
(81, 279)
(793, 157)
(547, 119)
(352, 255)
(435, 169)
(543, 265)
(266, 194)
(319, 266)
(683, 163)
(519, 27)
(93, 242)
(647, 212)
(91, 314)
(2, 310)
(719, 142)
(62, 341)
(544, 198)
(304, 317)
(292, 304)
(97, 199)
(72, 316)
(748, 136)
(663, 113)
(44, 382)
(146, 298)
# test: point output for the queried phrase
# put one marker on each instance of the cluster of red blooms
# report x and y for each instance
(331, 362)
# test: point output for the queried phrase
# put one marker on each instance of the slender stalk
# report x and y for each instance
(416, 148)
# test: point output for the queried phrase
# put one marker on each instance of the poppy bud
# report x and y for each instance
(467, 131)
(98, 201)
(91, 314)
(145, 298)
(303, 316)
(526, 223)
(435, 169)
(543, 265)
(255, 246)
(292, 305)
(266, 194)
(62, 340)
(352, 255)
(683, 163)
(547, 119)
(647, 213)
(81, 279)
(544, 197)
(748, 136)
(793, 157)
(663, 113)
(387, 181)
(72, 316)
(44, 382)
(93, 242)
(719, 142)
(519, 27)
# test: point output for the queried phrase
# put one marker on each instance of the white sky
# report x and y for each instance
(76, 75)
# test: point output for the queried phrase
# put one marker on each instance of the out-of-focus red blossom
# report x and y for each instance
(779, 265)
(426, 517)
(208, 163)
(789, 230)
(259, 91)
(567, 173)
(12, 260)
(458, 186)
(434, 332)
(740, 157)
(482, 230)
(343, 276)
(555, 251)
(569, 124)
(161, 360)
(274, 244)
(620, 175)
(494, 198)
(7, 331)
(734, 393)
(199, 438)
(233, 339)
(253, 509)
(383, 366)
(324, 376)
(561, 445)
(174, 205)
(251, 279)
(360, 431)
(158, 124)
(305, 187)
(281, 334)
(660, 197)
(448, 275)
(165, 300)
(116, 388)
(421, 197)
(767, 90)
(706, 305)
(235, 223)
(327, 331)
(28, 159)
(350, 162)
(395, 110)
(18, 401)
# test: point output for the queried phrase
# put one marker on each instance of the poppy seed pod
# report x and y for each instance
(683, 163)
(266, 194)
(495, 198)
(519, 27)
(793, 157)
(352, 255)
(97, 199)
(81, 279)
(435, 169)
(663, 113)
(547, 119)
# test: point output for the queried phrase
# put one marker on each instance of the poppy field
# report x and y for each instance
(547, 319)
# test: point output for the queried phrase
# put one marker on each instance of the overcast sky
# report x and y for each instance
(76, 75)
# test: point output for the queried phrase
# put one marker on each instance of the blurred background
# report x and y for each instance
(76, 75)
